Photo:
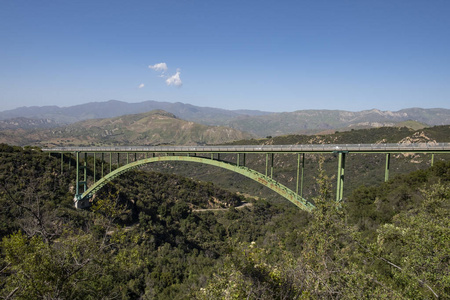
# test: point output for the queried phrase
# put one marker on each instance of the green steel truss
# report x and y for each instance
(83, 194)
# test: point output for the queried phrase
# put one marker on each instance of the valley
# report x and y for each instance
(171, 230)
(229, 150)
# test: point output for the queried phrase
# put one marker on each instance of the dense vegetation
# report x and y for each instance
(51, 250)
(388, 242)
(150, 235)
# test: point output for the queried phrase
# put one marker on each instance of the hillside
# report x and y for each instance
(151, 128)
(387, 243)
(36, 201)
(314, 121)
(143, 239)
(259, 123)
(380, 135)
(26, 123)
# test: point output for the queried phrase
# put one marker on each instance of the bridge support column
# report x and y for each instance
(432, 159)
(78, 202)
(95, 163)
(340, 177)
(267, 163)
(77, 187)
(271, 166)
(386, 170)
(300, 173)
(85, 172)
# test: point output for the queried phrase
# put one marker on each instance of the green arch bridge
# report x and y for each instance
(211, 155)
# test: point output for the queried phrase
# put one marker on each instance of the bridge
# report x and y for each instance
(137, 156)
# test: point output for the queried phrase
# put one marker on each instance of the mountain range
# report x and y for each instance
(114, 108)
(150, 128)
(258, 123)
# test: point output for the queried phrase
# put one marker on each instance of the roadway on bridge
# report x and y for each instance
(318, 148)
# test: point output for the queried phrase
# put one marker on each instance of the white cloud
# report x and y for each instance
(159, 67)
(170, 80)
(141, 85)
(174, 79)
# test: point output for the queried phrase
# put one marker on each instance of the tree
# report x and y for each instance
(69, 268)
(331, 264)
(417, 246)
(74, 264)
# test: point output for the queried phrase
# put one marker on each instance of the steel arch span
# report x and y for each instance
(82, 200)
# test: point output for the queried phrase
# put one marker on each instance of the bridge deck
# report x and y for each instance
(322, 148)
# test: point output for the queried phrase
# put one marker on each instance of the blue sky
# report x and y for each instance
(264, 55)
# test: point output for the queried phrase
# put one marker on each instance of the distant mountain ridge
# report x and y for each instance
(150, 128)
(115, 108)
(259, 123)
(314, 121)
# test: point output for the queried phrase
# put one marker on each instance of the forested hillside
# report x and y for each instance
(151, 235)
(386, 242)
(140, 238)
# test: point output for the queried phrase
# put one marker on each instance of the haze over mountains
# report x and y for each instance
(258, 123)
(114, 108)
